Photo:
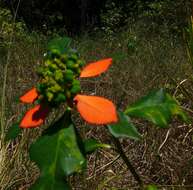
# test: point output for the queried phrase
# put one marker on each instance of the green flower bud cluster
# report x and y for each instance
(59, 77)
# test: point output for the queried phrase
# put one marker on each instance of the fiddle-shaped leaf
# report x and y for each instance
(157, 107)
(57, 155)
(124, 128)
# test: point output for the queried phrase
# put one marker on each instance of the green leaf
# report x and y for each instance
(157, 107)
(61, 44)
(91, 145)
(151, 187)
(124, 128)
(57, 155)
(13, 132)
(43, 184)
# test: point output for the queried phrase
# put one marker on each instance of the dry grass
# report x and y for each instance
(17, 169)
(163, 157)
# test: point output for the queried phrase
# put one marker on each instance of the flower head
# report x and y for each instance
(59, 84)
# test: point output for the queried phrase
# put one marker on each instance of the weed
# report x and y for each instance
(157, 59)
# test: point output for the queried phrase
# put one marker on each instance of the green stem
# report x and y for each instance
(80, 141)
(121, 152)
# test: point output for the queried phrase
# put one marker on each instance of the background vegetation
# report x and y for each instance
(145, 40)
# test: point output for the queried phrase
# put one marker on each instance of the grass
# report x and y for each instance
(23, 54)
(160, 158)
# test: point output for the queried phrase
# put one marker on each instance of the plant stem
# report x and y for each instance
(120, 150)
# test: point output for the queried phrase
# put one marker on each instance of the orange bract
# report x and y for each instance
(96, 110)
(30, 96)
(35, 116)
(96, 68)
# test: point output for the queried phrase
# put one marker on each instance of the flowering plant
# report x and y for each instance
(60, 84)
(61, 151)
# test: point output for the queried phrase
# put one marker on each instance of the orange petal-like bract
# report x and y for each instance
(35, 116)
(96, 110)
(30, 96)
(96, 68)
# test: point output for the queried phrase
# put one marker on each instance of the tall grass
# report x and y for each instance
(19, 52)
(3, 147)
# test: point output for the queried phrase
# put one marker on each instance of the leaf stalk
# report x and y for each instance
(131, 168)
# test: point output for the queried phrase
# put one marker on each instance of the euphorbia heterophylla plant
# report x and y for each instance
(59, 84)
(61, 151)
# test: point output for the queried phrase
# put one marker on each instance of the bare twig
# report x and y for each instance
(166, 138)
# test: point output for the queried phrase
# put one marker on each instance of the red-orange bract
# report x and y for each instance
(30, 96)
(35, 116)
(93, 109)
(96, 110)
(96, 68)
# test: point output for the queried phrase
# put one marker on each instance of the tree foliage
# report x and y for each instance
(77, 15)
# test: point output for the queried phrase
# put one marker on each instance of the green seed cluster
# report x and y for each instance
(59, 75)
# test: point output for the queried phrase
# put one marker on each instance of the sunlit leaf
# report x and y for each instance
(13, 132)
(124, 128)
(91, 145)
(151, 187)
(157, 107)
(61, 44)
(57, 156)
(96, 68)
(30, 96)
(96, 110)
(35, 116)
